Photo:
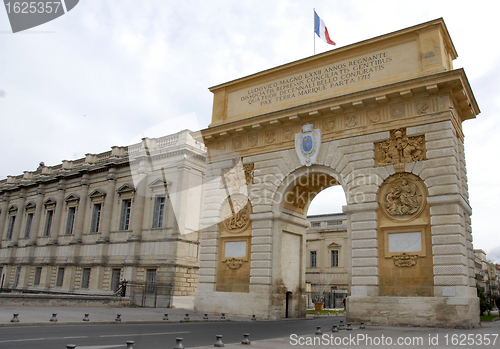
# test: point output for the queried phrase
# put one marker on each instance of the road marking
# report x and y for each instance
(141, 334)
(102, 336)
(102, 346)
(75, 337)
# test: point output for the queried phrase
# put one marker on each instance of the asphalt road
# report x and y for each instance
(152, 335)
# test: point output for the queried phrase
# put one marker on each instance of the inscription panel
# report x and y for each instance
(338, 78)
(405, 242)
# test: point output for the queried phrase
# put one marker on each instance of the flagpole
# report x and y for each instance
(314, 34)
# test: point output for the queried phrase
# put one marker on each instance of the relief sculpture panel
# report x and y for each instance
(400, 149)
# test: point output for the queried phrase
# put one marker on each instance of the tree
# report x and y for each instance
(483, 301)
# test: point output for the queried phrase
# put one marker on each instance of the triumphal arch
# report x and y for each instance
(381, 118)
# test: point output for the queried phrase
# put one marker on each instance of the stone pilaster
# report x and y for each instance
(3, 214)
(37, 218)
(19, 218)
(108, 206)
(82, 208)
(56, 223)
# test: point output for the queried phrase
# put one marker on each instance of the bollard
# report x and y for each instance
(223, 316)
(349, 327)
(341, 325)
(205, 317)
(254, 318)
(165, 317)
(178, 343)
(186, 318)
(245, 340)
(318, 331)
(118, 317)
(334, 328)
(218, 342)
(86, 317)
(70, 346)
(15, 318)
(130, 344)
(53, 318)
(362, 326)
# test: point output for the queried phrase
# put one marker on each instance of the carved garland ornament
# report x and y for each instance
(249, 169)
(405, 260)
(402, 197)
(234, 263)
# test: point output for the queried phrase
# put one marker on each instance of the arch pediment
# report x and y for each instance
(49, 201)
(159, 182)
(29, 205)
(97, 193)
(125, 188)
(71, 198)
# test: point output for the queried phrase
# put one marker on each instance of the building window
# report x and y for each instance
(48, 223)
(71, 220)
(115, 279)
(335, 258)
(313, 259)
(38, 275)
(29, 220)
(60, 277)
(150, 280)
(10, 228)
(86, 278)
(125, 216)
(96, 217)
(159, 212)
(18, 276)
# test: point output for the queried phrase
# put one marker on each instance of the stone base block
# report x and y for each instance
(452, 312)
(233, 303)
(183, 302)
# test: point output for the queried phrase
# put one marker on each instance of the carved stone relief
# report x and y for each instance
(422, 107)
(403, 197)
(234, 263)
(249, 175)
(289, 134)
(329, 126)
(405, 260)
(399, 149)
(234, 177)
(236, 213)
(351, 121)
(253, 139)
(270, 137)
(237, 143)
(374, 116)
(397, 111)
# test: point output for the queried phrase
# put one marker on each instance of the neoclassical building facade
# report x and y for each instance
(130, 214)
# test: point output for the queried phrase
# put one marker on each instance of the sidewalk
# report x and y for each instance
(29, 315)
(384, 337)
(371, 337)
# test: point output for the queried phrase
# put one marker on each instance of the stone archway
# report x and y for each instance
(372, 116)
(289, 207)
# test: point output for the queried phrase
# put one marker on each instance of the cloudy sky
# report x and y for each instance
(112, 71)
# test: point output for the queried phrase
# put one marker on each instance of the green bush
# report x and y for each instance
(484, 306)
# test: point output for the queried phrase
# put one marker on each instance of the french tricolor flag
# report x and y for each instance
(320, 29)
